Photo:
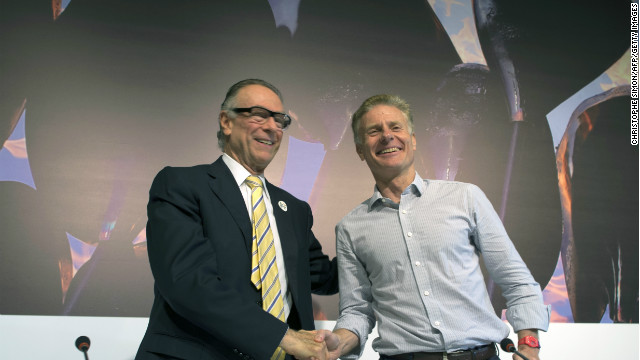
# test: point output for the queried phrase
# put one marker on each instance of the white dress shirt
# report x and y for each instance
(413, 267)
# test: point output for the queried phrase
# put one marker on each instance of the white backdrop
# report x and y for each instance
(53, 337)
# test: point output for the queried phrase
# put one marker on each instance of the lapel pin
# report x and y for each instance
(282, 205)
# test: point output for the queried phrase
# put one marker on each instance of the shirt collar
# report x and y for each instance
(240, 174)
(418, 187)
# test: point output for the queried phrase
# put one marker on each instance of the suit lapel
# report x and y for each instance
(224, 187)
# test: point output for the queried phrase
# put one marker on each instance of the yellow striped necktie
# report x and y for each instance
(264, 271)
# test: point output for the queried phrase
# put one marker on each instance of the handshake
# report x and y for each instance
(319, 344)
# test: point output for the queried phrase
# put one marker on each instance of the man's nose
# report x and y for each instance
(387, 135)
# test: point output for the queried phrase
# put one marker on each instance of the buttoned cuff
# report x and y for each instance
(529, 316)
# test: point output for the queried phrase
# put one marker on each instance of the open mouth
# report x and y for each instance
(266, 142)
(388, 151)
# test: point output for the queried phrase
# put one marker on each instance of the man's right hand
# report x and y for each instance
(338, 342)
(303, 345)
(332, 341)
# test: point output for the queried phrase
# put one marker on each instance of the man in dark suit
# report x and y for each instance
(200, 236)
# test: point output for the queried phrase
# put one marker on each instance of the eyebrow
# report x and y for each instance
(378, 125)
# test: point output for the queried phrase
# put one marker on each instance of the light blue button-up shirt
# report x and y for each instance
(414, 267)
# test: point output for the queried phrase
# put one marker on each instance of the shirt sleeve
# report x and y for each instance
(356, 312)
(525, 306)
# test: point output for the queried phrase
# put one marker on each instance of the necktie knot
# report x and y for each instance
(253, 182)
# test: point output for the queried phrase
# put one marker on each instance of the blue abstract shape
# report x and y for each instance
(285, 12)
(81, 252)
(15, 168)
(560, 305)
(301, 170)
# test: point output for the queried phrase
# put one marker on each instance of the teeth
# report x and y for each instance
(386, 151)
(266, 142)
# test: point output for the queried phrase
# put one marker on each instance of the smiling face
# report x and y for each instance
(387, 144)
(251, 144)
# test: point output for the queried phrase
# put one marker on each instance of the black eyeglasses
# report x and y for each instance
(260, 115)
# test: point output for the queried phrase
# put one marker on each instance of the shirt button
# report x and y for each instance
(437, 323)
(417, 263)
(426, 293)
(409, 234)
(404, 211)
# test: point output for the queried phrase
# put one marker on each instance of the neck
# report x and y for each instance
(236, 158)
(393, 187)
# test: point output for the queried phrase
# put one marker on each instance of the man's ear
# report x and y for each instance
(359, 151)
(413, 141)
(226, 123)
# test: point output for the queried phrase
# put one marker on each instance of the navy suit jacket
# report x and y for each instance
(199, 244)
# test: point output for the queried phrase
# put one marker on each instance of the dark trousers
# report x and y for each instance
(487, 352)
(384, 357)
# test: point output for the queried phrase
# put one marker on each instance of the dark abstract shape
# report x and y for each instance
(30, 279)
(334, 108)
(604, 207)
(22, 25)
(462, 103)
(346, 51)
(114, 282)
(533, 50)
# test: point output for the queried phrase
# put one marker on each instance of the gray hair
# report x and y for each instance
(230, 102)
(370, 103)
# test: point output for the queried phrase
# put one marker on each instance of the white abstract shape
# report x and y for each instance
(142, 237)
(14, 159)
(619, 73)
(459, 23)
(17, 148)
(559, 117)
(467, 44)
(81, 252)
(285, 12)
(449, 3)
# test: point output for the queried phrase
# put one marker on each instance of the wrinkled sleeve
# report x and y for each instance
(356, 312)
(525, 306)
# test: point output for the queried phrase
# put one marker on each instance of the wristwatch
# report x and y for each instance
(529, 341)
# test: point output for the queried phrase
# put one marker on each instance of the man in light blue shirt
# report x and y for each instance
(409, 258)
